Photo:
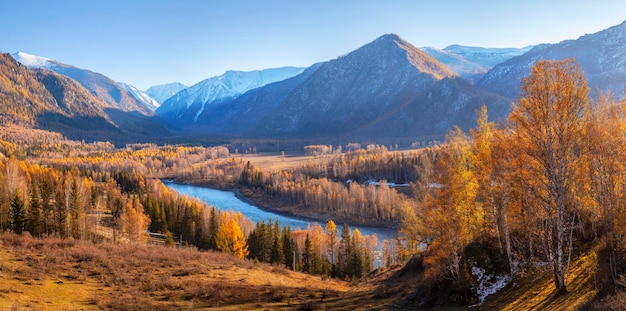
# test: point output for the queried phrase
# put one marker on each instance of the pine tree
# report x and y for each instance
(277, 256)
(46, 198)
(60, 214)
(34, 214)
(213, 228)
(289, 247)
(306, 255)
(17, 213)
(345, 249)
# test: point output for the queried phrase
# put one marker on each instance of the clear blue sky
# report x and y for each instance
(145, 43)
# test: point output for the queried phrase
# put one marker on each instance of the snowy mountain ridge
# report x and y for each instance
(163, 92)
(601, 56)
(194, 99)
(386, 88)
(98, 84)
(471, 62)
(32, 61)
(486, 57)
(141, 96)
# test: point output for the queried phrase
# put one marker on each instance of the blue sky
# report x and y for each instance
(145, 43)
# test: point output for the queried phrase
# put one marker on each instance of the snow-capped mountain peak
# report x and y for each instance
(193, 100)
(32, 61)
(98, 84)
(141, 96)
(163, 92)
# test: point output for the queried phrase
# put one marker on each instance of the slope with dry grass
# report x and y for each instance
(54, 274)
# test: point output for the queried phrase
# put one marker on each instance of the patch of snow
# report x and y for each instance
(390, 184)
(195, 118)
(488, 284)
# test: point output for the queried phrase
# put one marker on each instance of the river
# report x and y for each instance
(226, 200)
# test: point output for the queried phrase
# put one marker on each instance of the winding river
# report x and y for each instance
(226, 200)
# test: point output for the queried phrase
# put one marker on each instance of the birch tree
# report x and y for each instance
(549, 121)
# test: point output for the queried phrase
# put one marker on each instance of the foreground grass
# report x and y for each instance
(54, 274)
(537, 291)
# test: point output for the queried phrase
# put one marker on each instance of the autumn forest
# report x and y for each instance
(535, 192)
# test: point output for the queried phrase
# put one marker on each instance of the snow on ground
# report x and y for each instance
(488, 284)
(390, 184)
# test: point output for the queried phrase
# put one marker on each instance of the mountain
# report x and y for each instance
(362, 94)
(40, 98)
(164, 91)
(101, 86)
(486, 57)
(472, 63)
(601, 56)
(457, 63)
(141, 96)
(187, 105)
(252, 106)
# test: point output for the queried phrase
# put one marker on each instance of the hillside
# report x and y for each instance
(470, 62)
(600, 55)
(40, 98)
(379, 91)
(98, 84)
(53, 274)
(192, 104)
(164, 91)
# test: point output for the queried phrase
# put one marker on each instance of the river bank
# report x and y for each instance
(278, 206)
(297, 211)
(237, 201)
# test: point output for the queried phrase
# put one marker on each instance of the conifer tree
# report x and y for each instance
(213, 228)
(289, 247)
(278, 255)
(306, 255)
(34, 213)
(17, 213)
(47, 208)
(60, 213)
(345, 250)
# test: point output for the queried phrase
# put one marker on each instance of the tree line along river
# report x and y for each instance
(226, 200)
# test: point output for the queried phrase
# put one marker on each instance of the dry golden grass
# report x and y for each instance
(54, 274)
(537, 292)
(273, 162)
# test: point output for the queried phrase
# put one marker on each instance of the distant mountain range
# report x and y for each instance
(37, 97)
(385, 90)
(189, 104)
(471, 63)
(141, 96)
(98, 84)
(163, 92)
(602, 57)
